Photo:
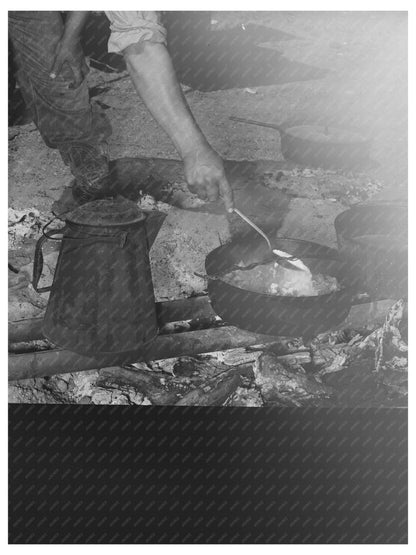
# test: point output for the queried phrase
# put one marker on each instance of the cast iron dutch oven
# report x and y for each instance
(320, 145)
(272, 314)
(373, 239)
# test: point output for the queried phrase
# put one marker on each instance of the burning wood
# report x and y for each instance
(279, 371)
(391, 353)
(212, 393)
(385, 344)
(287, 384)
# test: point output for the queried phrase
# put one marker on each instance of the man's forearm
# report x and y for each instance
(154, 78)
(74, 24)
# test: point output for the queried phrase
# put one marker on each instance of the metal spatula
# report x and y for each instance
(283, 258)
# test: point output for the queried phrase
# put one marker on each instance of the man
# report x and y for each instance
(51, 74)
(59, 103)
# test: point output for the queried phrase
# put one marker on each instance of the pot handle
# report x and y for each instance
(38, 262)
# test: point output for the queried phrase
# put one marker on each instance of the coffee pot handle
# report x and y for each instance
(38, 262)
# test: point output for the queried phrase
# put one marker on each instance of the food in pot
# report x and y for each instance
(274, 279)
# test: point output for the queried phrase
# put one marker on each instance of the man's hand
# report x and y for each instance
(69, 51)
(204, 172)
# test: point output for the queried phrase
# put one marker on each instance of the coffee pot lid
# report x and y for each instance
(106, 212)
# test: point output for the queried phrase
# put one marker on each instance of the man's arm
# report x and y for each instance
(69, 51)
(154, 78)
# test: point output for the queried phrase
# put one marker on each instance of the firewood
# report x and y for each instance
(148, 384)
(202, 398)
(283, 384)
(217, 389)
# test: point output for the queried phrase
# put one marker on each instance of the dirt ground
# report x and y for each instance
(365, 54)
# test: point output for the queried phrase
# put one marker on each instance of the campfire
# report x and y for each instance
(200, 357)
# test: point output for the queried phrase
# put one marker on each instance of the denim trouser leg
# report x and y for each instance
(62, 115)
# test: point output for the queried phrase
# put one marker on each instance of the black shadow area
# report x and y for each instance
(96, 474)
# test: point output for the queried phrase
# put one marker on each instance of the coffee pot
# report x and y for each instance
(101, 301)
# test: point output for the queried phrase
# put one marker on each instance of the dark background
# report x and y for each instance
(91, 474)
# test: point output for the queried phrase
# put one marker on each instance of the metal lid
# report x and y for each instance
(106, 212)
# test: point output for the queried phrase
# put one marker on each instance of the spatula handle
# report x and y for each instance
(253, 225)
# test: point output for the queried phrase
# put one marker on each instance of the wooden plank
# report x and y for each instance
(192, 308)
(184, 309)
(48, 363)
(167, 311)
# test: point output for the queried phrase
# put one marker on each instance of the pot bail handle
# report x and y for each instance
(38, 261)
